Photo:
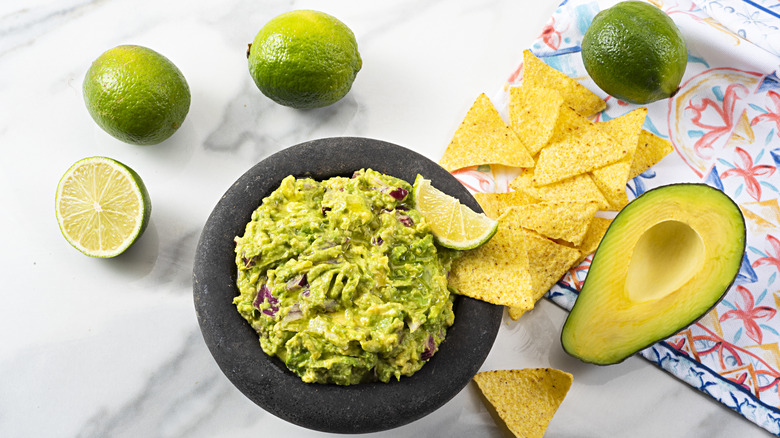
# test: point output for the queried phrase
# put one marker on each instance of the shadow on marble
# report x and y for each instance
(139, 260)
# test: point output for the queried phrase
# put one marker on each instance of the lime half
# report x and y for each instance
(453, 224)
(102, 206)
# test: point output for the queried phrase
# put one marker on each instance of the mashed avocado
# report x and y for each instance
(342, 281)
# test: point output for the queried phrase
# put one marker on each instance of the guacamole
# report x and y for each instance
(342, 281)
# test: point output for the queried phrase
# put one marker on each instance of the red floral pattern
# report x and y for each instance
(772, 114)
(749, 172)
(773, 259)
(749, 314)
(722, 111)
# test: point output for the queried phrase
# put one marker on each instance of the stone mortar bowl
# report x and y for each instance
(361, 408)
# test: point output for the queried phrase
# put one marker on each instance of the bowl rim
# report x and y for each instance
(362, 408)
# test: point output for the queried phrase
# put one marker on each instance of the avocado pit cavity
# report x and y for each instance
(666, 257)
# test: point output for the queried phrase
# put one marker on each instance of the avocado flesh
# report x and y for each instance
(666, 260)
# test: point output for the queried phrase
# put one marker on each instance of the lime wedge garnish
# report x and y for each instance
(453, 224)
(102, 206)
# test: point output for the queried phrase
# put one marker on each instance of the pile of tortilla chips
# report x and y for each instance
(572, 168)
(526, 399)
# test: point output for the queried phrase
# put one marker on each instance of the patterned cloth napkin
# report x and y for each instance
(725, 126)
(757, 21)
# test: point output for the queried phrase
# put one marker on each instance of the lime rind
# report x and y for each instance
(136, 95)
(130, 179)
(304, 59)
(452, 224)
(635, 52)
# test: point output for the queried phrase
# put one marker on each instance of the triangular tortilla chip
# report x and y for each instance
(596, 230)
(497, 272)
(537, 74)
(579, 187)
(533, 114)
(526, 400)
(577, 146)
(484, 138)
(649, 151)
(567, 220)
(612, 179)
(495, 204)
(516, 312)
(548, 261)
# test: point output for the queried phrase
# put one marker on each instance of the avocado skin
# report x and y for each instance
(672, 329)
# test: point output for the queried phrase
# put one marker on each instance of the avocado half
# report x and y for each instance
(667, 258)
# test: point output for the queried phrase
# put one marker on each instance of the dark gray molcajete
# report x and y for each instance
(265, 380)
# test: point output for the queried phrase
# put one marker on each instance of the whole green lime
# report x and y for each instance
(304, 59)
(136, 94)
(634, 52)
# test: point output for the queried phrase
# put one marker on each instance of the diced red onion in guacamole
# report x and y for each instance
(295, 313)
(399, 193)
(249, 261)
(297, 282)
(406, 220)
(430, 348)
(263, 295)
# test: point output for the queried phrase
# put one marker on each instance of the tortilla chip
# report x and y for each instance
(533, 114)
(537, 74)
(497, 272)
(526, 400)
(580, 187)
(516, 312)
(484, 138)
(567, 220)
(596, 231)
(612, 179)
(649, 151)
(495, 204)
(548, 261)
(578, 146)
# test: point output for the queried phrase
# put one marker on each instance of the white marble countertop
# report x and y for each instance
(111, 348)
